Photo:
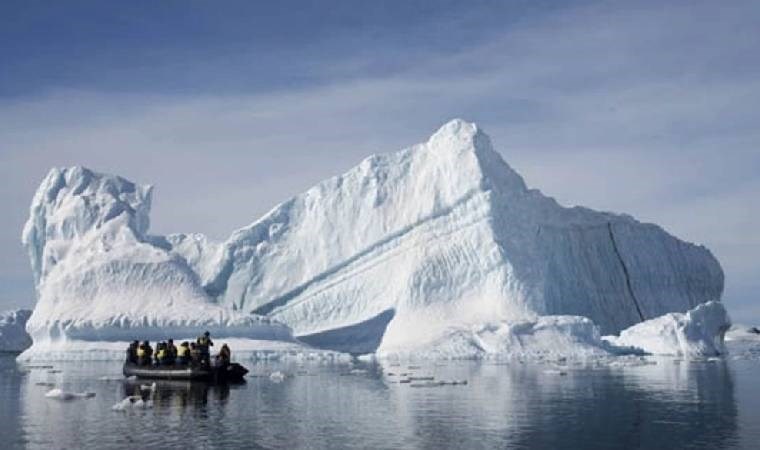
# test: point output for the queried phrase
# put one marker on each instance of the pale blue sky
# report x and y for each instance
(648, 108)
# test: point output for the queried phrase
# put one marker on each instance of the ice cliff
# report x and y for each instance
(13, 336)
(396, 251)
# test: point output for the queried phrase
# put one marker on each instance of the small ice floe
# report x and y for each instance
(132, 402)
(277, 376)
(413, 367)
(555, 372)
(63, 395)
(714, 359)
(358, 371)
(132, 378)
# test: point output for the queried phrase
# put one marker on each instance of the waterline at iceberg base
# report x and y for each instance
(438, 249)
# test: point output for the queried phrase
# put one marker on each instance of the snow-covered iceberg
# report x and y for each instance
(13, 335)
(391, 254)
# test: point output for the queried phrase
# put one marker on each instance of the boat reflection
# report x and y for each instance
(172, 394)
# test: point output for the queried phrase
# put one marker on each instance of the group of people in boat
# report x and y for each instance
(188, 353)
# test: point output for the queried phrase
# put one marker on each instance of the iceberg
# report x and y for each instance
(13, 336)
(393, 254)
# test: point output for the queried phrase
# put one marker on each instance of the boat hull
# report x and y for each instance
(229, 373)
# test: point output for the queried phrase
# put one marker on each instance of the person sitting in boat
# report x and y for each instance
(183, 353)
(172, 351)
(224, 356)
(155, 353)
(132, 352)
(144, 354)
(162, 355)
(195, 354)
(203, 344)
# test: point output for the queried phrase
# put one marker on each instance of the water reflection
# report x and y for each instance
(10, 401)
(177, 395)
(670, 404)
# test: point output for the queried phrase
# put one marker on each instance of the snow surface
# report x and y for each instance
(391, 255)
(13, 336)
(548, 337)
(698, 332)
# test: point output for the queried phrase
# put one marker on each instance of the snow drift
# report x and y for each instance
(393, 253)
(13, 336)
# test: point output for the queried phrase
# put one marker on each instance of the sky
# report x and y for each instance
(228, 108)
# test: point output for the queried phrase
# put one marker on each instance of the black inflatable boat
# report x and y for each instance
(222, 374)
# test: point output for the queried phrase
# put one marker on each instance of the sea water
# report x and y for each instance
(648, 403)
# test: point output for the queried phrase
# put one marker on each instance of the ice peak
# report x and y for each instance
(75, 201)
(457, 127)
(459, 135)
(467, 141)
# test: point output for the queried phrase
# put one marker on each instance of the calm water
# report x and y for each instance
(672, 404)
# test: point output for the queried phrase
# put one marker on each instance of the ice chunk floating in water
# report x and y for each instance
(59, 394)
(398, 251)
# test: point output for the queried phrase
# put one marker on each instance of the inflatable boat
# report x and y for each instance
(221, 374)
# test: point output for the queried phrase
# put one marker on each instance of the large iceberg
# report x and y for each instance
(13, 336)
(393, 253)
